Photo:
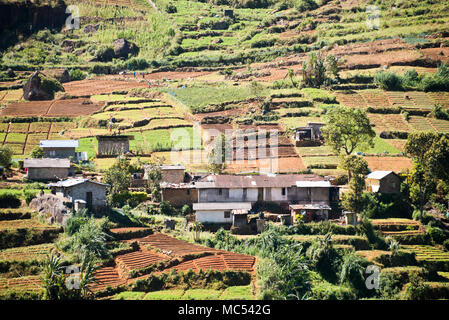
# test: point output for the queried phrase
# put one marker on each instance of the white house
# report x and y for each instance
(218, 195)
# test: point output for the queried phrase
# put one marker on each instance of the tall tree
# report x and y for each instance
(358, 169)
(118, 176)
(347, 129)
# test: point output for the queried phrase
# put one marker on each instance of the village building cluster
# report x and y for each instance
(214, 198)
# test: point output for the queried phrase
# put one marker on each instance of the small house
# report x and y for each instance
(218, 212)
(59, 148)
(113, 145)
(90, 191)
(47, 168)
(310, 212)
(309, 135)
(179, 194)
(386, 182)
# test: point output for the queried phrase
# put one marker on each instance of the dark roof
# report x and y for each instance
(116, 137)
(255, 181)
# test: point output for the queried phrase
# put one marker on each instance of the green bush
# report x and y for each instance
(105, 54)
(138, 64)
(29, 195)
(77, 74)
(9, 199)
(388, 81)
(167, 209)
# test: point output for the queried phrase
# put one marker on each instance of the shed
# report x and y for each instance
(47, 168)
(218, 212)
(311, 212)
(59, 148)
(92, 192)
(113, 145)
(386, 182)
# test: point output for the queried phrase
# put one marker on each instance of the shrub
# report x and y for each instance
(9, 199)
(388, 81)
(352, 270)
(105, 54)
(437, 235)
(416, 289)
(186, 209)
(77, 74)
(324, 257)
(167, 209)
(29, 195)
(171, 8)
(138, 64)
(37, 152)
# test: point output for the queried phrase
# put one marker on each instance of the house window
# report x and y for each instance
(393, 184)
(227, 214)
(52, 153)
(188, 192)
(220, 192)
(283, 191)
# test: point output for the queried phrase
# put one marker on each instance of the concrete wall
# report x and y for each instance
(60, 153)
(47, 173)
(173, 176)
(179, 197)
(227, 195)
(292, 194)
(79, 192)
(212, 217)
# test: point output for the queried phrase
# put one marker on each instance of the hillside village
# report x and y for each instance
(224, 150)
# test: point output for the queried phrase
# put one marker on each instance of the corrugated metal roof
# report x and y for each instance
(258, 181)
(46, 163)
(377, 175)
(58, 144)
(313, 184)
(311, 206)
(73, 182)
(222, 206)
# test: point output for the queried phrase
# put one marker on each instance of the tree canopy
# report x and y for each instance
(347, 129)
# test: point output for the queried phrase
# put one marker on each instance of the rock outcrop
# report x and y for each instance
(53, 208)
(122, 48)
(40, 87)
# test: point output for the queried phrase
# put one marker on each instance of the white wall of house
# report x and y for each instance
(275, 194)
(210, 216)
(252, 194)
(235, 194)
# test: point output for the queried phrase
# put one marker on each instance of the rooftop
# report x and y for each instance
(59, 144)
(73, 182)
(311, 206)
(46, 163)
(378, 175)
(262, 181)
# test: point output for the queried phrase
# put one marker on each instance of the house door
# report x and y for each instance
(260, 194)
(89, 200)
